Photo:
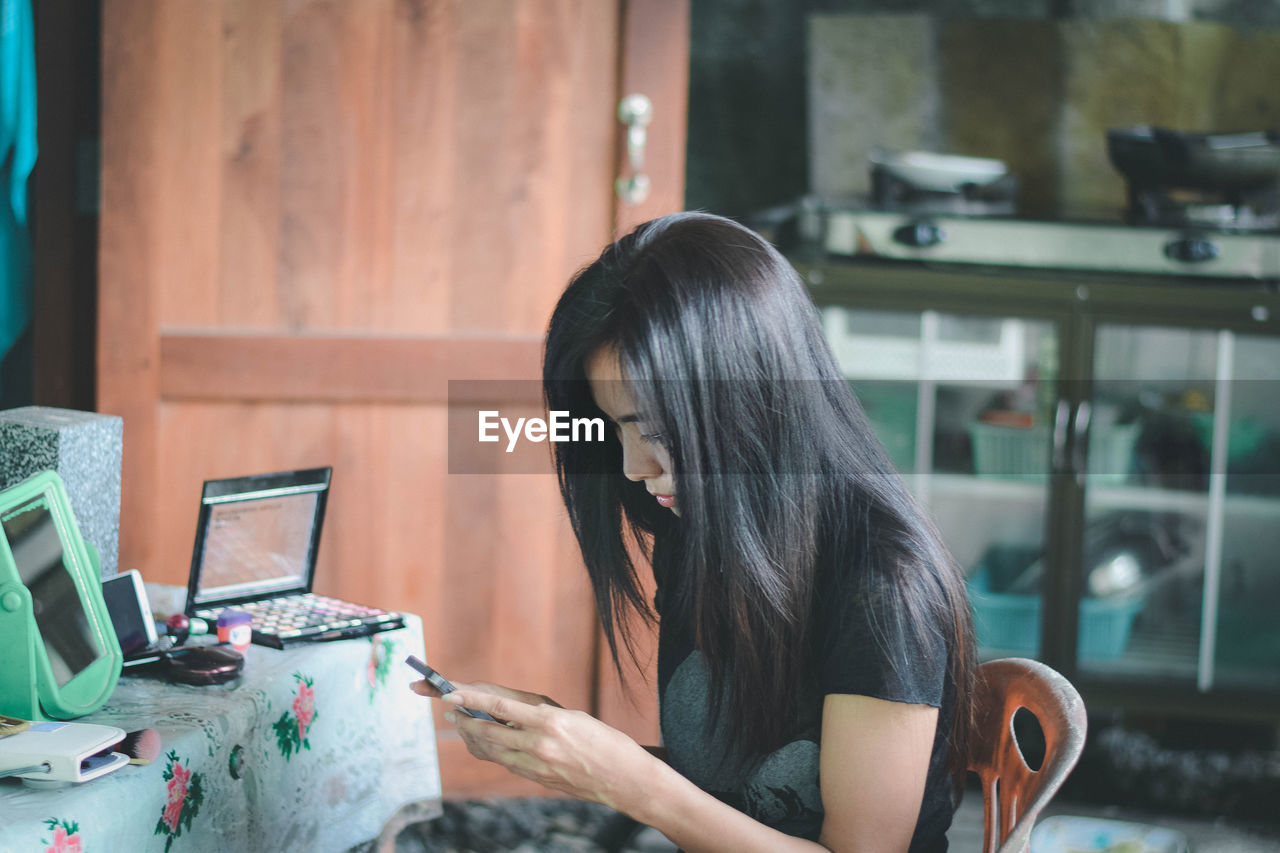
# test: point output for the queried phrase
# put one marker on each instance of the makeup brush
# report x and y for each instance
(142, 746)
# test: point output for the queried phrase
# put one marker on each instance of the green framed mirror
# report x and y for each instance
(59, 656)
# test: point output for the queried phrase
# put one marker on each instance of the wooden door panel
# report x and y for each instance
(326, 170)
(247, 169)
(315, 213)
(181, 129)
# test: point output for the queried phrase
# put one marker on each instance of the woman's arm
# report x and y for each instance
(874, 763)
(873, 766)
(875, 758)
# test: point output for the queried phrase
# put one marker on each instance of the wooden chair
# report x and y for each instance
(1013, 794)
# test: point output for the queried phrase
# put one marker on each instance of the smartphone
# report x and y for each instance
(126, 600)
(439, 682)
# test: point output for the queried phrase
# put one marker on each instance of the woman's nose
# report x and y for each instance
(638, 461)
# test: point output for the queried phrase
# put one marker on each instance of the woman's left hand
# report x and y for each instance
(568, 751)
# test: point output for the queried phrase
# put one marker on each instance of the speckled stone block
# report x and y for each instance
(84, 448)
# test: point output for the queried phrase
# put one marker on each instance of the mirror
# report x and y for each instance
(59, 656)
(60, 617)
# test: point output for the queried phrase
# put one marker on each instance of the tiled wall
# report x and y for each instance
(790, 96)
(1038, 94)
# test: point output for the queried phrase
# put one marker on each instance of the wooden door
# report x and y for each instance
(315, 213)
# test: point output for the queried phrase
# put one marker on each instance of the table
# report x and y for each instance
(319, 747)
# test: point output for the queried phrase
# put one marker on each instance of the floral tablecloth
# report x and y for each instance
(311, 749)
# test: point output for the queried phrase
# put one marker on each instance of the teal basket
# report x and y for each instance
(1010, 623)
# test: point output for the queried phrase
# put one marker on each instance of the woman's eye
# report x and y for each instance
(652, 437)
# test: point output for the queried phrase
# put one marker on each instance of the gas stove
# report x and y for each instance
(1097, 246)
(1199, 205)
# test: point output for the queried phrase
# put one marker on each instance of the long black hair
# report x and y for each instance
(781, 484)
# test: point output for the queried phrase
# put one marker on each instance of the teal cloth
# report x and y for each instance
(17, 157)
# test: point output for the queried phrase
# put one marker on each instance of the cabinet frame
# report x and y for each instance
(1076, 304)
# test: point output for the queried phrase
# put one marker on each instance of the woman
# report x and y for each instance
(815, 644)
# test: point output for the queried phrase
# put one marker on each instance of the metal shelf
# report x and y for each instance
(1107, 497)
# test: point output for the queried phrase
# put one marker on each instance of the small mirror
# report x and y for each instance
(60, 617)
(59, 657)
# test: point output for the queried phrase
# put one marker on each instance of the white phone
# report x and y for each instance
(130, 613)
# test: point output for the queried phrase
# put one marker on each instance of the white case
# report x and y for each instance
(67, 749)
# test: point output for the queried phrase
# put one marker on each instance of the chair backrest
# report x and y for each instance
(1013, 794)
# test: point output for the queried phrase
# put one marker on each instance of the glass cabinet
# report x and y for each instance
(1192, 528)
(964, 406)
(1102, 457)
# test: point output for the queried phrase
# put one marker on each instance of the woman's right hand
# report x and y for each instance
(425, 688)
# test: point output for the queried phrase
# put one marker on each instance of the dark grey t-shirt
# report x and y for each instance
(780, 789)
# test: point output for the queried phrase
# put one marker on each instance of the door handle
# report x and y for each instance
(635, 111)
(1061, 420)
(1080, 440)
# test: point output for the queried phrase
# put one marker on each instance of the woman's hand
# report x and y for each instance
(567, 751)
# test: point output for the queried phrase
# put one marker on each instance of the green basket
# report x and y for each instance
(1022, 453)
(1010, 453)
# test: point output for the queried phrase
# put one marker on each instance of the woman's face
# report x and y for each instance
(644, 456)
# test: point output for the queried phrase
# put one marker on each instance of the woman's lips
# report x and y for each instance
(667, 501)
